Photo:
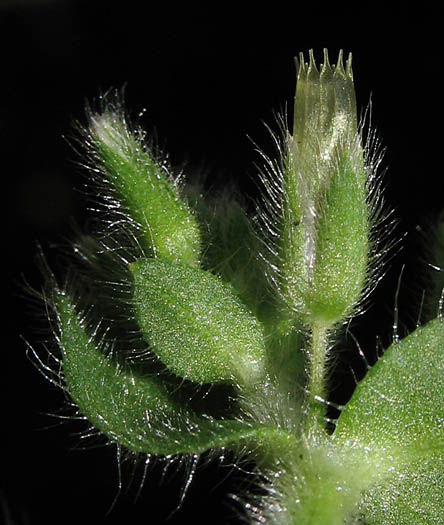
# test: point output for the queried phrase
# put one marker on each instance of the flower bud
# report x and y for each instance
(325, 228)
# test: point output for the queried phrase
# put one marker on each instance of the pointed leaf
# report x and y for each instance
(401, 400)
(165, 224)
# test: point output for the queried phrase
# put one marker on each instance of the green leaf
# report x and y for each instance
(415, 496)
(196, 324)
(132, 408)
(164, 223)
(396, 417)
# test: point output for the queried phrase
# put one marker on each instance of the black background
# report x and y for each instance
(208, 78)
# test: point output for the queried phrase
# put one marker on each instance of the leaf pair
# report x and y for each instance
(132, 408)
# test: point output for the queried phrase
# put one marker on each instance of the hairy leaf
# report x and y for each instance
(414, 496)
(165, 224)
(132, 408)
(397, 413)
(196, 324)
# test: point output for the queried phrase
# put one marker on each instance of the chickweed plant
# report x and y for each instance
(186, 326)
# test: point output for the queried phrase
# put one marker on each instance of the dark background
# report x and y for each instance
(208, 78)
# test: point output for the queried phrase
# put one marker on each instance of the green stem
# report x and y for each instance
(315, 408)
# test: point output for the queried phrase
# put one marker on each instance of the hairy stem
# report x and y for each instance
(316, 391)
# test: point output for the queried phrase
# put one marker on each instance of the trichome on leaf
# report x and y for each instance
(187, 326)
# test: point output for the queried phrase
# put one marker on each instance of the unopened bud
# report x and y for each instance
(325, 228)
